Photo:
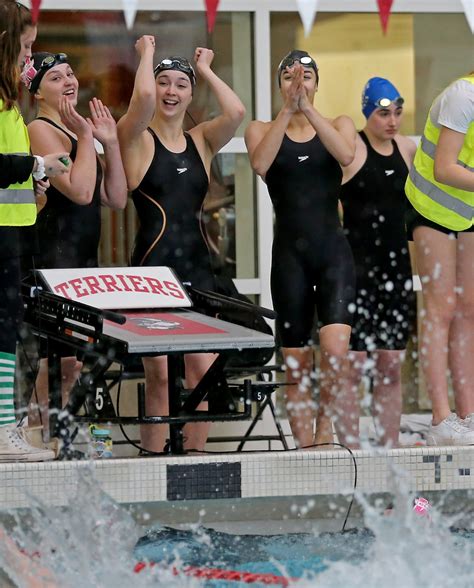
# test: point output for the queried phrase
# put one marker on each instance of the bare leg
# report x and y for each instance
(299, 394)
(461, 335)
(197, 364)
(335, 401)
(387, 397)
(153, 437)
(436, 261)
(349, 434)
(38, 413)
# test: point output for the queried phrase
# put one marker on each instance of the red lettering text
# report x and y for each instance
(93, 284)
(61, 289)
(174, 289)
(110, 283)
(136, 280)
(76, 285)
(126, 287)
(156, 286)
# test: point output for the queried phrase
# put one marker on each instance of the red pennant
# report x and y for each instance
(384, 10)
(211, 7)
(35, 10)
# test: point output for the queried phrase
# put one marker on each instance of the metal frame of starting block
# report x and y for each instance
(82, 308)
(100, 408)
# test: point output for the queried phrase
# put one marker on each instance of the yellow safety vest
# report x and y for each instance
(17, 202)
(449, 207)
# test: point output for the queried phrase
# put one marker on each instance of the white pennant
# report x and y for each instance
(130, 12)
(307, 10)
(469, 11)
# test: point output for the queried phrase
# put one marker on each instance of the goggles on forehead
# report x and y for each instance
(176, 63)
(385, 102)
(32, 77)
(305, 60)
(51, 60)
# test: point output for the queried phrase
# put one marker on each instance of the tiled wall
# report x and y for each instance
(291, 473)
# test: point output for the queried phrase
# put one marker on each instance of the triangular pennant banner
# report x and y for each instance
(130, 12)
(469, 11)
(35, 10)
(385, 6)
(307, 10)
(211, 8)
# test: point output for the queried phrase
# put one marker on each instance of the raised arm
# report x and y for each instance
(263, 140)
(447, 170)
(113, 190)
(220, 130)
(143, 102)
(338, 136)
(78, 182)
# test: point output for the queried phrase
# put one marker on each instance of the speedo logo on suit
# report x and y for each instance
(302, 158)
(181, 170)
(389, 172)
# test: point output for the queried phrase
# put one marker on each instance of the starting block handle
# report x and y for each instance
(219, 301)
(114, 317)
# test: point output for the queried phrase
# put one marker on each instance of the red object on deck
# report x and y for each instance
(220, 574)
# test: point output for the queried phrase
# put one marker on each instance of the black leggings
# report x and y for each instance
(11, 308)
(303, 279)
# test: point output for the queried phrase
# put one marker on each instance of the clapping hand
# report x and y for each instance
(296, 91)
(102, 123)
(72, 120)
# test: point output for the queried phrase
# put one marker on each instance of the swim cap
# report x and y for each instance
(302, 57)
(379, 93)
(176, 63)
(36, 67)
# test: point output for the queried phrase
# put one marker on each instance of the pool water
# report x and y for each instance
(302, 556)
(95, 542)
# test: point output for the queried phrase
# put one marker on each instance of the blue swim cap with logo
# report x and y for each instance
(379, 93)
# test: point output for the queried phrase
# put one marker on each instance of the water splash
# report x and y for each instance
(89, 542)
(92, 542)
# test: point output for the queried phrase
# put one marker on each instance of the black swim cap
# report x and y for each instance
(302, 57)
(176, 63)
(39, 64)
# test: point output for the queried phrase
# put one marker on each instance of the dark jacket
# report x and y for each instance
(15, 169)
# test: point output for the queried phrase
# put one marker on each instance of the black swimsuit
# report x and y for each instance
(69, 233)
(374, 218)
(309, 247)
(169, 203)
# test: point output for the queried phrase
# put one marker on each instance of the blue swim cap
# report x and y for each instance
(379, 93)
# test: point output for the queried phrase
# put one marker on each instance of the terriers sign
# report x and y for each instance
(119, 287)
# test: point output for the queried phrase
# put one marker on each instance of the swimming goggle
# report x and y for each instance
(51, 60)
(385, 102)
(305, 60)
(176, 63)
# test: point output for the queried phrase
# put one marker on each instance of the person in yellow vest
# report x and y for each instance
(440, 188)
(17, 211)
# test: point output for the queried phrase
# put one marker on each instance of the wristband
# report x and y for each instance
(39, 174)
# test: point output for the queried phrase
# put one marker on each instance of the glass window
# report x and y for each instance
(420, 54)
(230, 216)
(104, 59)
